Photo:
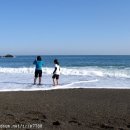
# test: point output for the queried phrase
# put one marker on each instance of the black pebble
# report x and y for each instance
(128, 126)
(56, 123)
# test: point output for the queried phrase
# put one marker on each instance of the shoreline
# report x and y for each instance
(73, 109)
(60, 88)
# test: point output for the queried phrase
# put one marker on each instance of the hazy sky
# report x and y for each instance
(64, 27)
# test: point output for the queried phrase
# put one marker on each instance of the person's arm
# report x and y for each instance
(55, 69)
(34, 62)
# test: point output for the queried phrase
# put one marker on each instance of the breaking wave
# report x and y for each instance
(79, 71)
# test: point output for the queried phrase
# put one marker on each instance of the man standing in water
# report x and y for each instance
(38, 70)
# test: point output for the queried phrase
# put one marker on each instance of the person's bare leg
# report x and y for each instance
(53, 82)
(40, 80)
(57, 82)
(35, 79)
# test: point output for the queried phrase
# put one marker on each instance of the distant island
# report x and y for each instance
(7, 56)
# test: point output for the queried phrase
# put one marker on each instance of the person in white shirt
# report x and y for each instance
(56, 73)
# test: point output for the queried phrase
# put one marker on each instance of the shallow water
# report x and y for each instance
(76, 72)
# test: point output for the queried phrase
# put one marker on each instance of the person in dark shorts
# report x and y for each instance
(56, 73)
(38, 70)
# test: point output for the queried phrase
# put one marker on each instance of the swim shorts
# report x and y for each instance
(38, 73)
(55, 76)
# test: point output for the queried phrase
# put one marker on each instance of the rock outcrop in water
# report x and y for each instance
(7, 56)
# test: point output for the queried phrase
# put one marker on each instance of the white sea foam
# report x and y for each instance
(24, 82)
(21, 79)
(77, 71)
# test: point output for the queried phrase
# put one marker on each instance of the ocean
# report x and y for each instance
(86, 71)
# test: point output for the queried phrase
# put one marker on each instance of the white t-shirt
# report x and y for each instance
(57, 70)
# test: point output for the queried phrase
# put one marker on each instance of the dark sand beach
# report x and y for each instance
(76, 109)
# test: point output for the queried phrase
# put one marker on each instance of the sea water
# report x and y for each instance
(17, 74)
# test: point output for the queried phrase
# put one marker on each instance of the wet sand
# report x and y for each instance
(75, 109)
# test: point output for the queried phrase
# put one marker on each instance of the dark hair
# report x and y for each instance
(39, 58)
(56, 62)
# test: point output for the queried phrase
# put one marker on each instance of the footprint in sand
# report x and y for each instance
(106, 126)
(74, 121)
(9, 116)
(35, 116)
(121, 129)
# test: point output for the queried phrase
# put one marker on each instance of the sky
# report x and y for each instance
(65, 27)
